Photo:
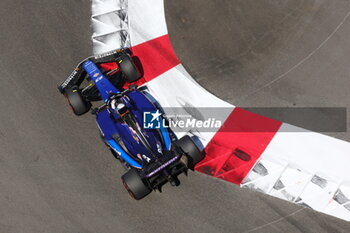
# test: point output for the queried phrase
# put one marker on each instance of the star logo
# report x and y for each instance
(155, 115)
(152, 120)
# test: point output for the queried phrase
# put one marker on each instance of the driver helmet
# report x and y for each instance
(118, 107)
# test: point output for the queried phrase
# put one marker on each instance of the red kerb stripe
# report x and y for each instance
(236, 147)
(156, 56)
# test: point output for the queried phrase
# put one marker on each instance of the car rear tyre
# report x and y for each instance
(78, 104)
(191, 150)
(128, 68)
(134, 185)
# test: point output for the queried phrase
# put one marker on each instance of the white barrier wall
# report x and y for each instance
(110, 25)
(284, 161)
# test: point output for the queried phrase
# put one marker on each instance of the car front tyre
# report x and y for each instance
(78, 104)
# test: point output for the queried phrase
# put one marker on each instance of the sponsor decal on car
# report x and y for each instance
(98, 79)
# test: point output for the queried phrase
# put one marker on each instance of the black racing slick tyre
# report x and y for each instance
(134, 185)
(193, 153)
(128, 68)
(78, 104)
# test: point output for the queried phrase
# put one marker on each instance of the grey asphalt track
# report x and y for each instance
(56, 176)
(266, 53)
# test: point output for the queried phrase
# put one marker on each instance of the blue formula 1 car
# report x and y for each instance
(152, 156)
